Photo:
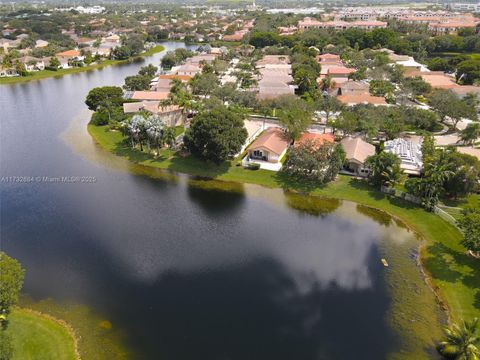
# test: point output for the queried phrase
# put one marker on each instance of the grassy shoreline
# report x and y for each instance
(451, 272)
(41, 336)
(45, 74)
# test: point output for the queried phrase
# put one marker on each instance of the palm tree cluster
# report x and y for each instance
(462, 342)
(150, 130)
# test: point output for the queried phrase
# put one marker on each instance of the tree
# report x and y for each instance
(416, 86)
(465, 173)
(11, 282)
(121, 52)
(6, 346)
(381, 88)
(313, 161)
(216, 135)
(448, 104)
(347, 122)
(470, 224)
(149, 70)
(137, 82)
(204, 84)
(104, 96)
(468, 71)
(470, 134)
(54, 64)
(328, 105)
(462, 342)
(135, 43)
(261, 39)
(296, 119)
(385, 169)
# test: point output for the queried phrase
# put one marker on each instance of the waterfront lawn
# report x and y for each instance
(38, 337)
(455, 275)
(38, 75)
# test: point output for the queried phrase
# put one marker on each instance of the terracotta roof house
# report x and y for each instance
(149, 95)
(351, 100)
(269, 147)
(184, 78)
(357, 151)
(68, 54)
(317, 138)
(328, 58)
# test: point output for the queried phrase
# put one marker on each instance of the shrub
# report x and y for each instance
(253, 166)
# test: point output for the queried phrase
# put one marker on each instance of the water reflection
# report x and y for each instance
(191, 272)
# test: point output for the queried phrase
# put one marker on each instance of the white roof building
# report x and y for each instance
(410, 154)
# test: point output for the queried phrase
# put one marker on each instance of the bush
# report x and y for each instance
(253, 166)
(99, 118)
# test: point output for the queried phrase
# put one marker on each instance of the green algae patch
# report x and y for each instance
(98, 338)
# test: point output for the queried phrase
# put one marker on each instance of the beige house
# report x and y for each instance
(269, 147)
(357, 151)
(171, 114)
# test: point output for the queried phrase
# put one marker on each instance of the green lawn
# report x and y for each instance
(38, 75)
(454, 275)
(38, 337)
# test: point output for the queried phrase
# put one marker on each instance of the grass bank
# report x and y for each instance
(41, 337)
(39, 75)
(454, 275)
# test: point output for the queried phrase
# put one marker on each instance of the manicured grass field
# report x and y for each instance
(38, 75)
(38, 337)
(454, 275)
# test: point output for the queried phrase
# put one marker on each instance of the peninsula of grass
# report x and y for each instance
(40, 337)
(39, 75)
(453, 274)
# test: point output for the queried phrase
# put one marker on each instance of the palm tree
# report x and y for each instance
(169, 136)
(470, 134)
(462, 342)
(155, 131)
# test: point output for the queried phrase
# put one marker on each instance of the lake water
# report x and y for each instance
(187, 272)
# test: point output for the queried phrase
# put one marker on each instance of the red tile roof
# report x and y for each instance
(318, 139)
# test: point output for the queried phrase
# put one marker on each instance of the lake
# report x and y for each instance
(183, 268)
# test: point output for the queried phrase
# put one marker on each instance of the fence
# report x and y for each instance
(413, 199)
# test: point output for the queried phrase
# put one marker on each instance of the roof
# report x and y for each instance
(151, 106)
(362, 99)
(357, 149)
(340, 70)
(271, 139)
(150, 95)
(71, 53)
(329, 57)
(354, 85)
(317, 138)
(174, 76)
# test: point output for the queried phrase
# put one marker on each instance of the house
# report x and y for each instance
(410, 155)
(65, 56)
(41, 43)
(354, 99)
(356, 153)
(317, 138)
(32, 64)
(275, 77)
(329, 58)
(352, 88)
(268, 149)
(7, 71)
(171, 114)
(150, 95)
(188, 70)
